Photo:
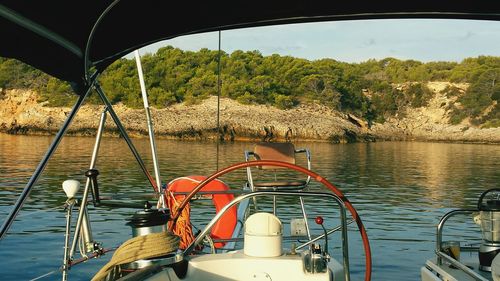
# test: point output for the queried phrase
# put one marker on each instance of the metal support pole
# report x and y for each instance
(125, 135)
(345, 244)
(98, 138)
(153, 147)
(69, 205)
(274, 203)
(150, 124)
(218, 101)
(86, 233)
(305, 217)
(83, 205)
(81, 217)
(41, 166)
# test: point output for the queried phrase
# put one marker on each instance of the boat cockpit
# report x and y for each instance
(76, 41)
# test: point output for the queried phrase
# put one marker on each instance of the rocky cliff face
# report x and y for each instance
(432, 123)
(20, 113)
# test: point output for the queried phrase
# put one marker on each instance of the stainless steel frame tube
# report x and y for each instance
(149, 121)
(125, 136)
(342, 209)
(82, 215)
(86, 231)
(65, 267)
(41, 166)
(439, 230)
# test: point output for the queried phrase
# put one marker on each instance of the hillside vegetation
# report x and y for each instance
(375, 90)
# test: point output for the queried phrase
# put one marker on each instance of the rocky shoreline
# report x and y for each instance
(20, 113)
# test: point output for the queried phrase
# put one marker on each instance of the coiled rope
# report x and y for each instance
(182, 227)
(138, 248)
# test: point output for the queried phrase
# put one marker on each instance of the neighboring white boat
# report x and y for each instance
(458, 260)
(76, 40)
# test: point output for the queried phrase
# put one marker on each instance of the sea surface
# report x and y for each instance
(400, 189)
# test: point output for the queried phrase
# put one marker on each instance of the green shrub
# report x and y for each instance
(283, 102)
(452, 91)
(495, 123)
(191, 98)
(457, 116)
(173, 75)
(160, 98)
(57, 93)
(246, 98)
(419, 95)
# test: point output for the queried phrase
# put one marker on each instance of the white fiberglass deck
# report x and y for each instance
(238, 266)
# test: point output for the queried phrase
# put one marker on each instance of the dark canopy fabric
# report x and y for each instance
(53, 35)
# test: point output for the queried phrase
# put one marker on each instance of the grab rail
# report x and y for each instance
(343, 219)
(439, 239)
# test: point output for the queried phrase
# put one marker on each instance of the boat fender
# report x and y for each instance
(224, 228)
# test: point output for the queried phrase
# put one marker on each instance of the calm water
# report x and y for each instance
(400, 190)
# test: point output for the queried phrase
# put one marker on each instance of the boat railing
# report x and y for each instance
(442, 255)
(245, 197)
(285, 238)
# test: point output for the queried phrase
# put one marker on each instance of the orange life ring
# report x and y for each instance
(224, 228)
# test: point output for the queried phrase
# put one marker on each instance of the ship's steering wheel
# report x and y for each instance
(313, 175)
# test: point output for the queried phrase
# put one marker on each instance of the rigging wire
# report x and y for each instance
(40, 211)
(218, 100)
(45, 275)
(76, 262)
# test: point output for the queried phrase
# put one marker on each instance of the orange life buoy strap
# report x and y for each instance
(223, 229)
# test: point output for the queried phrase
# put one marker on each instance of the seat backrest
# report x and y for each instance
(283, 151)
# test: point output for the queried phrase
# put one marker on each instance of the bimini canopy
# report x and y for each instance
(53, 35)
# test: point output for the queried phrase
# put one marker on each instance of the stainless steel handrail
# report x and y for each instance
(462, 267)
(345, 242)
(337, 228)
(240, 239)
(439, 230)
(252, 187)
(215, 192)
(439, 239)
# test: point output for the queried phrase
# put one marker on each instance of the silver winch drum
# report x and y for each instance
(145, 222)
(489, 215)
(148, 221)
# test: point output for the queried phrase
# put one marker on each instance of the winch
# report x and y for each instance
(145, 222)
(489, 220)
(148, 221)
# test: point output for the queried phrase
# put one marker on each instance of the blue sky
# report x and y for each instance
(355, 41)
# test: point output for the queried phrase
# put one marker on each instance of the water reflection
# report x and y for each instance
(400, 190)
